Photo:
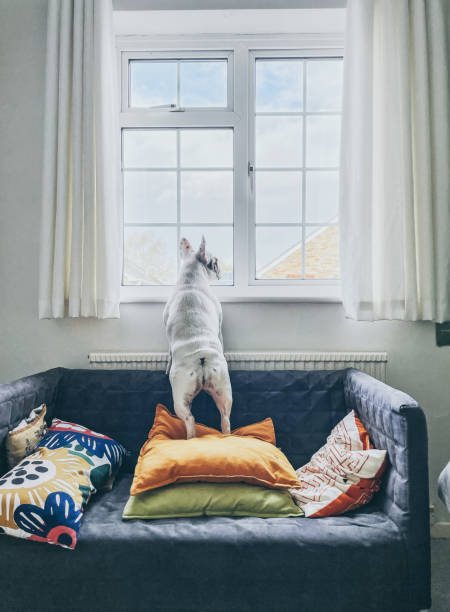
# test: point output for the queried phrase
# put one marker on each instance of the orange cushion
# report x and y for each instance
(166, 426)
(246, 455)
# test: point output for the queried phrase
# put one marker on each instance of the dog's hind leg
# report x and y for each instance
(183, 411)
(217, 384)
(185, 386)
(224, 406)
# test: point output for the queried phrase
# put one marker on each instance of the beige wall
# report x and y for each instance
(28, 345)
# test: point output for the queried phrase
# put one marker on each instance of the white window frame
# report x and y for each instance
(239, 49)
(180, 56)
(281, 54)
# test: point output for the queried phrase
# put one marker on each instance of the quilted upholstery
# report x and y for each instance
(376, 558)
(304, 406)
(396, 423)
(18, 399)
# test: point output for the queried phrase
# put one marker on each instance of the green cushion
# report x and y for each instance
(209, 499)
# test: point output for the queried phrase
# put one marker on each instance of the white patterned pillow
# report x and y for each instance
(342, 475)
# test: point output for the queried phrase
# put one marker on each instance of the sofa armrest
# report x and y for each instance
(18, 398)
(397, 424)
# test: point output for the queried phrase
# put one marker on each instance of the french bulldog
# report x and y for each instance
(193, 321)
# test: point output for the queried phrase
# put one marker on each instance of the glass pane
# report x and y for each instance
(278, 197)
(322, 141)
(322, 196)
(203, 83)
(279, 85)
(219, 242)
(278, 142)
(324, 85)
(206, 148)
(207, 197)
(150, 256)
(278, 252)
(152, 83)
(322, 252)
(150, 197)
(149, 149)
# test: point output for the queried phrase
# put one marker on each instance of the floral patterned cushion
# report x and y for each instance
(43, 497)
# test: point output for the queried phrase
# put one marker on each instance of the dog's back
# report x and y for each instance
(192, 318)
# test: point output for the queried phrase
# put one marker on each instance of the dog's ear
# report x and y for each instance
(201, 253)
(185, 248)
(215, 267)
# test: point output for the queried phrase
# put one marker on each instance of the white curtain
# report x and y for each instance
(79, 250)
(395, 197)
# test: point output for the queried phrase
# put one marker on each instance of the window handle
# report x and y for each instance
(172, 108)
(251, 174)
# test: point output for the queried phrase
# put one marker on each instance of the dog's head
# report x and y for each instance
(210, 263)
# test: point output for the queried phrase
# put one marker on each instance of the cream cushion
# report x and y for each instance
(24, 438)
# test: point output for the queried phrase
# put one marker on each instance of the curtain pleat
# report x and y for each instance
(76, 262)
(394, 204)
(79, 267)
(438, 26)
(49, 162)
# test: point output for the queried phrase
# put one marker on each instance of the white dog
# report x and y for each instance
(193, 320)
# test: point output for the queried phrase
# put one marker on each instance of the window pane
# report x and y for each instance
(322, 141)
(207, 197)
(322, 252)
(150, 197)
(203, 83)
(206, 148)
(323, 85)
(219, 242)
(153, 83)
(322, 195)
(279, 85)
(278, 252)
(150, 256)
(149, 149)
(278, 142)
(278, 197)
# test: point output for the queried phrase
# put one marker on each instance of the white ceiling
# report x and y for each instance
(190, 5)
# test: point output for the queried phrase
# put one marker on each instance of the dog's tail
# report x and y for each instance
(213, 366)
(202, 363)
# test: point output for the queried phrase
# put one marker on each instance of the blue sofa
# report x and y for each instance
(375, 559)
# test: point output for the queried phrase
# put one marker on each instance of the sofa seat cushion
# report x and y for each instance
(215, 563)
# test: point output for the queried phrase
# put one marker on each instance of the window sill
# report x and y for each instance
(314, 291)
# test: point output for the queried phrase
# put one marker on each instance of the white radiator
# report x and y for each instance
(374, 363)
